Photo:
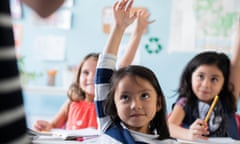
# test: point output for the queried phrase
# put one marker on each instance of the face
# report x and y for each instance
(207, 82)
(87, 76)
(136, 103)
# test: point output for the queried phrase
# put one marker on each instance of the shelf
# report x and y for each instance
(45, 90)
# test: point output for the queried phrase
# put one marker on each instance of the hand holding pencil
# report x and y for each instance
(211, 108)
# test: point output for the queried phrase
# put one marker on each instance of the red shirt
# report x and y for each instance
(81, 115)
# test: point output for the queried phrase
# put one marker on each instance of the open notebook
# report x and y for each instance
(66, 134)
(61, 136)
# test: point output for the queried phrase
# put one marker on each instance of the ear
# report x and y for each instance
(159, 106)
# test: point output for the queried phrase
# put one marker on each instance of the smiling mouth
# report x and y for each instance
(205, 92)
(136, 115)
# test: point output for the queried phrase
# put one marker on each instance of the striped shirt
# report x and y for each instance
(12, 117)
(105, 67)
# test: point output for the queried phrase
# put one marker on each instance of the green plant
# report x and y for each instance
(26, 76)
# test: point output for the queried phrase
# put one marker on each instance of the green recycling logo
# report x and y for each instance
(153, 45)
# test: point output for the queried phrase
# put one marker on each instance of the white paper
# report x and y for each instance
(86, 132)
(58, 136)
(51, 47)
(61, 19)
(212, 140)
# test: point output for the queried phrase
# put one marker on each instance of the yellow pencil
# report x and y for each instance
(211, 108)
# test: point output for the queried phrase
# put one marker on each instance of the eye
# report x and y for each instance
(145, 96)
(124, 98)
(85, 72)
(214, 79)
(200, 76)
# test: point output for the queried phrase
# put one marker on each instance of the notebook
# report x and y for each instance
(65, 134)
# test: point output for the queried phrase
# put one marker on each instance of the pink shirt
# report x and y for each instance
(81, 115)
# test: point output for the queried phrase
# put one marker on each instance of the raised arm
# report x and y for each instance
(235, 64)
(141, 25)
(107, 60)
(122, 19)
(44, 8)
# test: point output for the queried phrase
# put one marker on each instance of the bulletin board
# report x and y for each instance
(107, 19)
(198, 25)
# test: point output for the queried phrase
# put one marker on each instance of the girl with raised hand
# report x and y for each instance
(130, 103)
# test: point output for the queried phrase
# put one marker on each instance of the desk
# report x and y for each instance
(93, 136)
(211, 140)
(102, 139)
(107, 140)
(45, 89)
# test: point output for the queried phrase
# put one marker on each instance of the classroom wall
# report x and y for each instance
(86, 35)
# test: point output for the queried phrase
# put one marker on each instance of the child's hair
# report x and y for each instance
(75, 93)
(222, 62)
(158, 123)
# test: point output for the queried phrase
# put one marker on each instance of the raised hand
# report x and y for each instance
(121, 13)
(142, 21)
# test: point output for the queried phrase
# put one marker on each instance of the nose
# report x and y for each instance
(206, 83)
(91, 76)
(136, 104)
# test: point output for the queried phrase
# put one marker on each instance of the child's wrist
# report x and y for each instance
(119, 27)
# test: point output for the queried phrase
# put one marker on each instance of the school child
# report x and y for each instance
(206, 75)
(130, 103)
(79, 111)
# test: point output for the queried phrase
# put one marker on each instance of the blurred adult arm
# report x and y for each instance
(44, 8)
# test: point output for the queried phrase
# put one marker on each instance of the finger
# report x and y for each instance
(135, 14)
(152, 21)
(202, 137)
(122, 4)
(200, 131)
(197, 132)
(197, 122)
(147, 17)
(38, 127)
(129, 6)
(115, 5)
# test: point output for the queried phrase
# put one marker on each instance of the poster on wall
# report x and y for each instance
(198, 25)
(61, 19)
(50, 47)
(107, 19)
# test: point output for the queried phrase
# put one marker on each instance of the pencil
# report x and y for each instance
(211, 108)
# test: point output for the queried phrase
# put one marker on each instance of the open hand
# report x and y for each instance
(121, 11)
(42, 125)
